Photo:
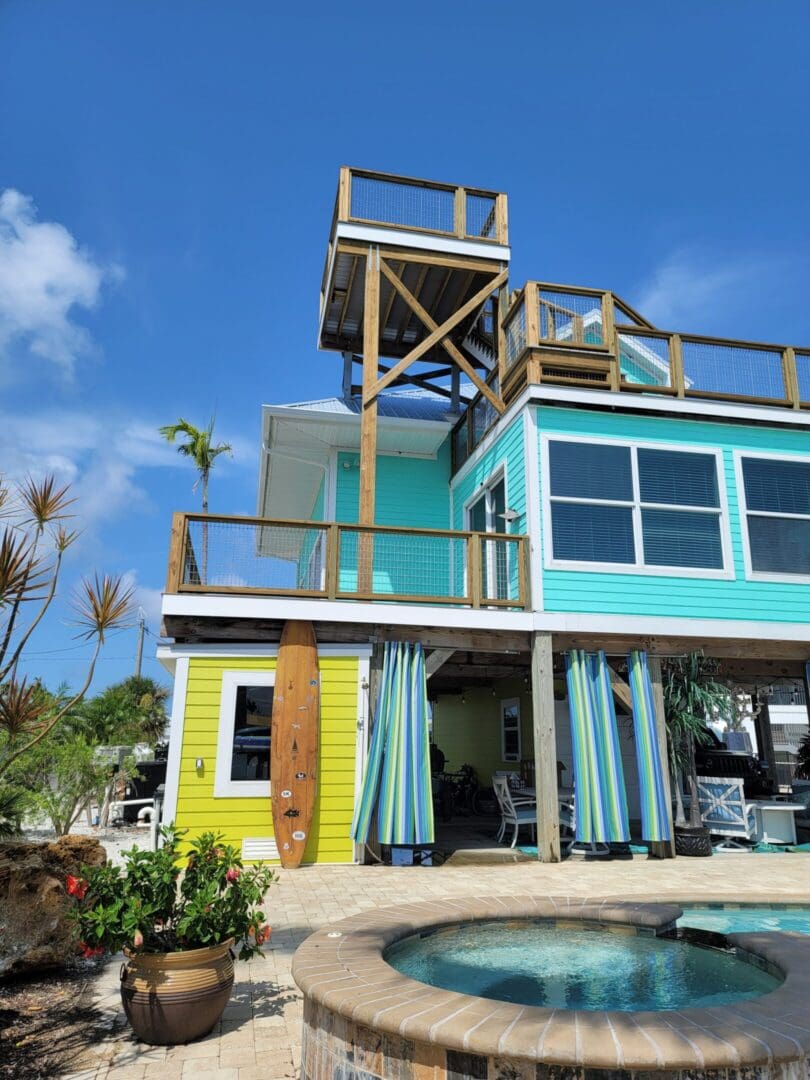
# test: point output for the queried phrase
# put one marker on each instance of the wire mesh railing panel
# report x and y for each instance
(622, 317)
(737, 370)
(515, 335)
(572, 318)
(461, 445)
(247, 555)
(500, 577)
(397, 202)
(484, 416)
(480, 216)
(644, 359)
(413, 565)
(803, 375)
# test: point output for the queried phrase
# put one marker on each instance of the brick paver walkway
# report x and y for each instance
(260, 1033)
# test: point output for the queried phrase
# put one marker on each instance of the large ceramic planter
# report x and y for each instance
(695, 842)
(178, 996)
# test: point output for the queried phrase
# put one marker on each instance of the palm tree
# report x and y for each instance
(691, 697)
(199, 447)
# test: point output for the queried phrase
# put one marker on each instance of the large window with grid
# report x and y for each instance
(775, 496)
(645, 508)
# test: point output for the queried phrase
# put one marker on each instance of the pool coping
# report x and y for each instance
(341, 967)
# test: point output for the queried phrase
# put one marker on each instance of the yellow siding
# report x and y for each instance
(198, 810)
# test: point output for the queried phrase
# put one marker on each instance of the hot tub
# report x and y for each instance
(507, 987)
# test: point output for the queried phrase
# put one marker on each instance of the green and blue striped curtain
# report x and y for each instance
(600, 796)
(655, 814)
(397, 778)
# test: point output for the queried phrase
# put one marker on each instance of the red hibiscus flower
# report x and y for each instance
(233, 874)
(76, 887)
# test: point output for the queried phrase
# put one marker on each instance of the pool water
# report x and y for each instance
(535, 963)
(745, 920)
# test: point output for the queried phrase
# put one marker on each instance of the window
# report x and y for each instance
(776, 493)
(510, 729)
(243, 739)
(636, 507)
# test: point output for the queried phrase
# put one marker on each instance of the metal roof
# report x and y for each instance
(402, 404)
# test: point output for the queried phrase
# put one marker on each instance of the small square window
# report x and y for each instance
(250, 751)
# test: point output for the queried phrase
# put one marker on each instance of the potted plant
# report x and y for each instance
(178, 921)
(691, 697)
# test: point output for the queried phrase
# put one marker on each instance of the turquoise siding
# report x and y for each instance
(684, 597)
(411, 492)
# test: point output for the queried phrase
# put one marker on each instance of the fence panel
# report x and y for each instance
(733, 370)
(570, 318)
(407, 564)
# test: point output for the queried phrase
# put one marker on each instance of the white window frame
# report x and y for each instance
(750, 573)
(484, 491)
(224, 787)
(638, 566)
(510, 703)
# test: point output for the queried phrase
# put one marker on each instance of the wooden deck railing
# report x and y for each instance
(337, 561)
(589, 338)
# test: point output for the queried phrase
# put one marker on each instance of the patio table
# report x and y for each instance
(776, 820)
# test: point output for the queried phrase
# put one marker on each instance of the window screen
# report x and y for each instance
(777, 499)
(634, 506)
(250, 759)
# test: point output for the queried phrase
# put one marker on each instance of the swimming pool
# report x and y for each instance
(593, 968)
(747, 918)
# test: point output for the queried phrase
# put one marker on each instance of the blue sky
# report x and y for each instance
(171, 169)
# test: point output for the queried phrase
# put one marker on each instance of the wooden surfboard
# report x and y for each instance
(294, 741)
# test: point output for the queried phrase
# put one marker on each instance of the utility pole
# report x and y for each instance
(139, 650)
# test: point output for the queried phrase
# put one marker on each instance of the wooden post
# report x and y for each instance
(661, 849)
(177, 547)
(500, 335)
(792, 392)
(332, 560)
(501, 219)
(344, 208)
(474, 566)
(460, 212)
(676, 365)
(531, 299)
(611, 339)
(368, 419)
(545, 749)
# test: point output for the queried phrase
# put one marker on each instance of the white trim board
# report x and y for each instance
(533, 510)
(362, 740)
(502, 423)
(707, 410)
(666, 626)
(175, 740)
(392, 236)
(174, 652)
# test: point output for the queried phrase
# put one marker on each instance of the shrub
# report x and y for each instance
(158, 902)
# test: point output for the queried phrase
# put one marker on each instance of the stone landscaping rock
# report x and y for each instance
(35, 932)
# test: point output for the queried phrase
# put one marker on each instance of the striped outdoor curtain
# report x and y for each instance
(600, 801)
(655, 815)
(397, 778)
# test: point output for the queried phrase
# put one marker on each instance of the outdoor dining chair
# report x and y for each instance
(725, 812)
(515, 810)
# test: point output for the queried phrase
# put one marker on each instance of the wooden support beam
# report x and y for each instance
(545, 749)
(177, 544)
(762, 726)
(439, 334)
(436, 659)
(368, 420)
(404, 322)
(621, 691)
(662, 849)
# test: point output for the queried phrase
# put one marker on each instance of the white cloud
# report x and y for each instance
(105, 470)
(44, 278)
(698, 291)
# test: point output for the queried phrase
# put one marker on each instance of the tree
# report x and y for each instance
(199, 448)
(33, 543)
(131, 711)
(691, 697)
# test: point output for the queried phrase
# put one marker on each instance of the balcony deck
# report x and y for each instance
(336, 561)
(591, 339)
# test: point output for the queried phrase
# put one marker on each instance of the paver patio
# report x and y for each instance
(260, 1034)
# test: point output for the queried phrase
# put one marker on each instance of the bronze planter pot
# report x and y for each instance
(178, 996)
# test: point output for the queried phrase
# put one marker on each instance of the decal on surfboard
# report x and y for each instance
(292, 812)
(299, 835)
(300, 776)
(286, 794)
